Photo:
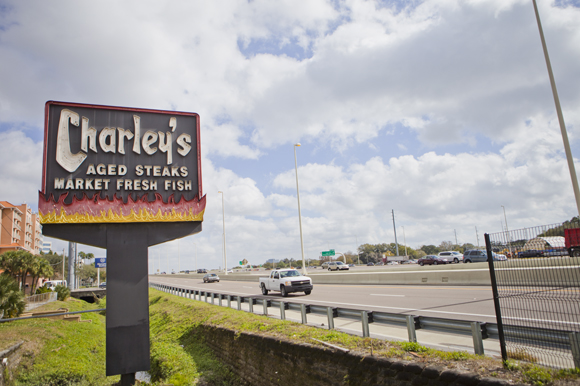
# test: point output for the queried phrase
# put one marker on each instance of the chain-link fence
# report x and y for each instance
(537, 293)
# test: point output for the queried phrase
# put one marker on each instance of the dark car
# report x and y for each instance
(208, 278)
(369, 263)
(531, 253)
(434, 260)
(103, 285)
(202, 270)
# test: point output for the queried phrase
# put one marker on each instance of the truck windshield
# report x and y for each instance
(289, 273)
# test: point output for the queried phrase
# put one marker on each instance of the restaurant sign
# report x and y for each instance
(106, 164)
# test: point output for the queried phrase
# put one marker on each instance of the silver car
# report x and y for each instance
(337, 266)
(211, 277)
(453, 256)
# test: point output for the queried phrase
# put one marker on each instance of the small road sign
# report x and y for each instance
(100, 262)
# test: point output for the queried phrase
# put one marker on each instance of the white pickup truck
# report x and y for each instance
(286, 281)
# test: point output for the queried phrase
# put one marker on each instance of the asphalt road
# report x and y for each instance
(464, 303)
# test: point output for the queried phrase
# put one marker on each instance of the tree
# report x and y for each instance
(430, 249)
(41, 268)
(12, 302)
(55, 261)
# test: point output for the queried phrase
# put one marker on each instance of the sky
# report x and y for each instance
(437, 111)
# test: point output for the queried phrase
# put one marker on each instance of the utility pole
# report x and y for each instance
(395, 230)
(454, 231)
(477, 237)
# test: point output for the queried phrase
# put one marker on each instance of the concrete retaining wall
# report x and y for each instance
(263, 360)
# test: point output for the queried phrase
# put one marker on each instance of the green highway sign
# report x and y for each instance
(328, 253)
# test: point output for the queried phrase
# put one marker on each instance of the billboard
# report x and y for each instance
(106, 164)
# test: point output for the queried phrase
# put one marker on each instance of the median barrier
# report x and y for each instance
(453, 274)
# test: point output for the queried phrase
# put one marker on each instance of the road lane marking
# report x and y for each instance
(400, 296)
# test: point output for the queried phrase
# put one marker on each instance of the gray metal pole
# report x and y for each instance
(299, 214)
(569, 157)
(71, 266)
(395, 230)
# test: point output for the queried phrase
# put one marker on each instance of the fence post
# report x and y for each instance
(496, 304)
(575, 346)
(411, 328)
(477, 339)
(330, 313)
(282, 310)
(303, 313)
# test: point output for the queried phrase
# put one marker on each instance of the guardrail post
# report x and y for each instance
(239, 303)
(282, 310)
(265, 304)
(365, 323)
(303, 313)
(477, 339)
(199, 295)
(212, 297)
(220, 299)
(411, 328)
(575, 346)
(205, 296)
(251, 305)
(229, 301)
(331, 313)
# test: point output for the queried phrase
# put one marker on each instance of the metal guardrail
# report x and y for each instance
(478, 330)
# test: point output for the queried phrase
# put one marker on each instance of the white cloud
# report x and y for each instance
(465, 76)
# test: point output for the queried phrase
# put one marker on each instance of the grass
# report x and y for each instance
(58, 352)
(67, 353)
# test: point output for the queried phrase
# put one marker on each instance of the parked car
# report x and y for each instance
(103, 285)
(337, 266)
(455, 256)
(370, 263)
(324, 265)
(210, 277)
(434, 260)
(531, 253)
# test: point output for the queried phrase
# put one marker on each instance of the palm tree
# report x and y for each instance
(40, 268)
(12, 301)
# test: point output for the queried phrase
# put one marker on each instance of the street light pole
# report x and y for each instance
(404, 239)
(195, 256)
(507, 232)
(224, 223)
(567, 149)
(299, 214)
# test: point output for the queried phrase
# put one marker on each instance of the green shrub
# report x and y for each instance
(42, 290)
(12, 302)
(62, 292)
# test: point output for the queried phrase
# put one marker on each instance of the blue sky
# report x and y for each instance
(440, 110)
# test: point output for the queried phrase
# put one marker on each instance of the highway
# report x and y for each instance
(464, 303)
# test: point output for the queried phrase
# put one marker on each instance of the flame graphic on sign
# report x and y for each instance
(103, 210)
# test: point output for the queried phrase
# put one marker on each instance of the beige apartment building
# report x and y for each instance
(20, 229)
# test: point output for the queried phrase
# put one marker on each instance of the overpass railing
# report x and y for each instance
(478, 330)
